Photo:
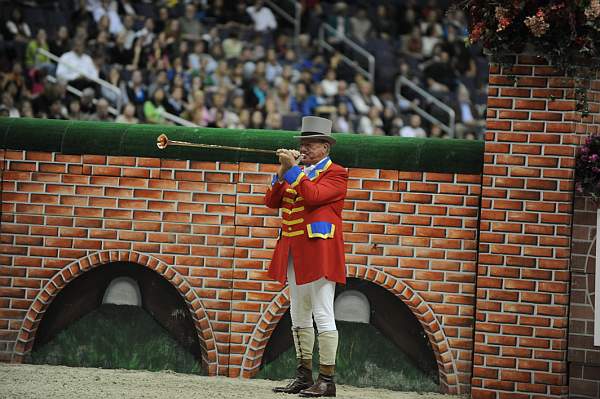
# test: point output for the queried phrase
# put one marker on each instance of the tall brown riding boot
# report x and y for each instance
(304, 342)
(324, 387)
(303, 380)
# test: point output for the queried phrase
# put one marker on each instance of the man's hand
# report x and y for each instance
(287, 159)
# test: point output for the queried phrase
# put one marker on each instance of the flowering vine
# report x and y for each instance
(558, 30)
(587, 168)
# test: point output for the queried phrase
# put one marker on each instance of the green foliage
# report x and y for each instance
(117, 336)
(365, 358)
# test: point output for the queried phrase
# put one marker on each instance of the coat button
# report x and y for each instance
(289, 229)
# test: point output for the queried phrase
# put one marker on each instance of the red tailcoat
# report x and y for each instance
(312, 223)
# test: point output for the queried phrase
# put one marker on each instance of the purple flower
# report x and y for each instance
(594, 158)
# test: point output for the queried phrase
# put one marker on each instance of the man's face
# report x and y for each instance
(313, 150)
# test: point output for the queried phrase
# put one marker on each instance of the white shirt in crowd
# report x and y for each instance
(409, 131)
(84, 64)
(263, 18)
(98, 10)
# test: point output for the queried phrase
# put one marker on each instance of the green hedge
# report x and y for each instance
(351, 150)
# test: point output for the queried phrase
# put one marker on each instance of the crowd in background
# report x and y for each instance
(235, 64)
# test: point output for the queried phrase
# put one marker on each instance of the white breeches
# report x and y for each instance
(314, 299)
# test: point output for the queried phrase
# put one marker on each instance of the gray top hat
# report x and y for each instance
(315, 127)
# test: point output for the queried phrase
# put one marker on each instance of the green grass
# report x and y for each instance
(114, 337)
(365, 358)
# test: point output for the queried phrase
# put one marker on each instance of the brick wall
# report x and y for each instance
(583, 356)
(525, 229)
(202, 226)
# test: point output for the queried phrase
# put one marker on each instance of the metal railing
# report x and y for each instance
(448, 128)
(79, 93)
(368, 73)
(111, 110)
(293, 19)
(99, 81)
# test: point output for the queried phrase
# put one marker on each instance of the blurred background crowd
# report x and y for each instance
(242, 64)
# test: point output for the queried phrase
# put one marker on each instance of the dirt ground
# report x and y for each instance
(23, 381)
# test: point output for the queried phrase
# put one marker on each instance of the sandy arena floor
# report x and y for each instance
(30, 381)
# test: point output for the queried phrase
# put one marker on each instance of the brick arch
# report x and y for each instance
(420, 308)
(590, 258)
(55, 285)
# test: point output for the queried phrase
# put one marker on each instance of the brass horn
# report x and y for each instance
(163, 142)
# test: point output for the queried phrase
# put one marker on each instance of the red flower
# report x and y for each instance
(503, 23)
(476, 32)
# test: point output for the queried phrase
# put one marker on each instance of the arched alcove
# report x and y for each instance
(388, 314)
(86, 292)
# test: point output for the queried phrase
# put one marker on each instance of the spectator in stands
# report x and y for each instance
(468, 119)
(340, 22)
(371, 124)
(232, 45)
(387, 22)
(413, 45)
(220, 77)
(360, 26)
(146, 34)
(315, 100)
(236, 105)
(57, 110)
(9, 103)
(272, 68)
(60, 44)
(26, 109)
(86, 102)
(76, 67)
(118, 95)
(102, 114)
(342, 122)
(160, 81)
(260, 91)
(343, 98)
(257, 120)
(299, 101)
(34, 59)
(74, 112)
(283, 98)
(413, 129)
(364, 98)
(107, 8)
(264, 21)
(198, 112)
(191, 28)
(154, 108)
(137, 92)
(330, 83)
(128, 31)
(436, 132)
(162, 21)
(128, 115)
(273, 121)
(16, 33)
(440, 77)
(175, 102)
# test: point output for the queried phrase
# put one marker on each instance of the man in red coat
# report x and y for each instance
(310, 250)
